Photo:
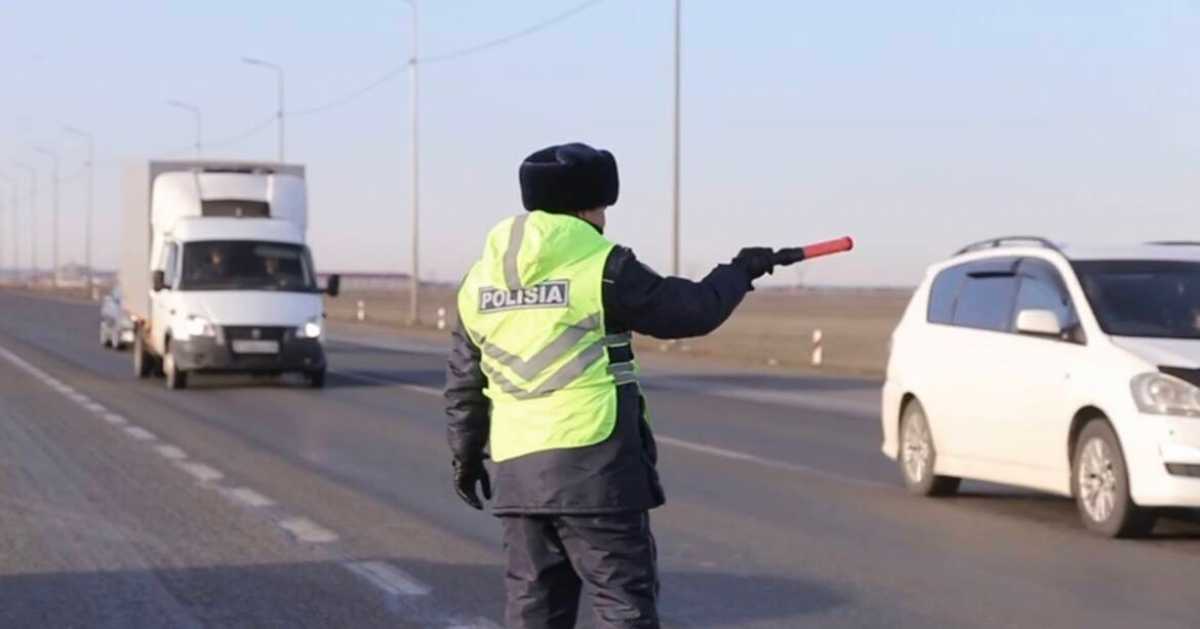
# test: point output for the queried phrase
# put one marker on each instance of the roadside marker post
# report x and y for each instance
(818, 351)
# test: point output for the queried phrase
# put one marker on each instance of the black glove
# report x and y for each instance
(466, 474)
(755, 261)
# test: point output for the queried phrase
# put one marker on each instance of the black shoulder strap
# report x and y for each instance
(617, 259)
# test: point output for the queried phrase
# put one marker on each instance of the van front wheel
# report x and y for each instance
(175, 378)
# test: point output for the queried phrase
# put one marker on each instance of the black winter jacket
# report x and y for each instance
(617, 474)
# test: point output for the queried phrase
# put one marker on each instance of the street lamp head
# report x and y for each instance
(182, 105)
(259, 62)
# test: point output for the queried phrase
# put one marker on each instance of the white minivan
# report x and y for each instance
(1070, 370)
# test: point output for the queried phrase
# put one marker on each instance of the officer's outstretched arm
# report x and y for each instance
(671, 307)
(467, 409)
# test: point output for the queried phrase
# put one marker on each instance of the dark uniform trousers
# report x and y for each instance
(551, 557)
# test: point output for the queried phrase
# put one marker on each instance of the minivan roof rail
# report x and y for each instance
(1009, 241)
(1175, 243)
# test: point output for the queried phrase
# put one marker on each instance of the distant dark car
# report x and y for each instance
(116, 328)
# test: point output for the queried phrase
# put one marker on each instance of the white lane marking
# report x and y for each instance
(248, 497)
(79, 398)
(388, 578)
(478, 623)
(200, 471)
(415, 388)
(139, 433)
(765, 462)
(115, 419)
(95, 408)
(795, 399)
(305, 530)
(171, 452)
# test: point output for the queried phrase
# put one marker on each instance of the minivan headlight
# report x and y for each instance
(1160, 394)
(310, 330)
(197, 326)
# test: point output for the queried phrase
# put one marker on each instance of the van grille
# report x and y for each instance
(247, 332)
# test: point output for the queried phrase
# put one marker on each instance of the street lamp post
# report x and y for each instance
(16, 242)
(54, 269)
(279, 112)
(414, 307)
(91, 197)
(675, 160)
(33, 257)
(199, 122)
(4, 204)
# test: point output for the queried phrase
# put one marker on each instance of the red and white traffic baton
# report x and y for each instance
(784, 257)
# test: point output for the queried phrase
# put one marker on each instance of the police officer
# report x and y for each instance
(542, 377)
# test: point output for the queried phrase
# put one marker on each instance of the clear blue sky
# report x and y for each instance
(913, 126)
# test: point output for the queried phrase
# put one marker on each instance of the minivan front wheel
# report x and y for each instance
(176, 378)
(918, 456)
(1100, 480)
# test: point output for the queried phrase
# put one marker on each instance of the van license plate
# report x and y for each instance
(256, 347)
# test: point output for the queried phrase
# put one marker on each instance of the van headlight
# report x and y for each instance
(1160, 394)
(310, 330)
(197, 326)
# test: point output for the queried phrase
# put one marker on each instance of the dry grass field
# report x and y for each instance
(773, 328)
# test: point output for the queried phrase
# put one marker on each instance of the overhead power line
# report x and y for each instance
(243, 136)
(446, 56)
(351, 96)
(500, 41)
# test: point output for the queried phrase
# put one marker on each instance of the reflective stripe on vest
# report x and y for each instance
(534, 306)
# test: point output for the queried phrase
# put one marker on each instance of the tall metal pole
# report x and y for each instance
(91, 198)
(414, 311)
(14, 194)
(675, 159)
(33, 257)
(279, 113)
(54, 268)
(4, 204)
(199, 122)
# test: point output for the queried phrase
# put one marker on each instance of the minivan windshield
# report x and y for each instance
(246, 265)
(1144, 298)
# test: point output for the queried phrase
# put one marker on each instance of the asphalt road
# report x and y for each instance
(259, 503)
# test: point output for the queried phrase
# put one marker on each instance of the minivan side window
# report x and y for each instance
(1042, 288)
(986, 302)
(944, 292)
(170, 266)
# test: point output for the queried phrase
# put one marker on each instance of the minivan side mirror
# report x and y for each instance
(334, 285)
(1039, 323)
(158, 280)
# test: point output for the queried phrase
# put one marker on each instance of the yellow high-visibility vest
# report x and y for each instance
(533, 305)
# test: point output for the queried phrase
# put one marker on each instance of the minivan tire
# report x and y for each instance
(316, 379)
(1100, 484)
(918, 455)
(174, 377)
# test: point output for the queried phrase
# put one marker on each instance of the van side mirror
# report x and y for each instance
(334, 285)
(1039, 323)
(158, 280)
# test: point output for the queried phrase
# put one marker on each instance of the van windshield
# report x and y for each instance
(1144, 298)
(246, 265)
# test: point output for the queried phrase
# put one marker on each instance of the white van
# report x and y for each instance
(1069, 370)
(217, 274)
